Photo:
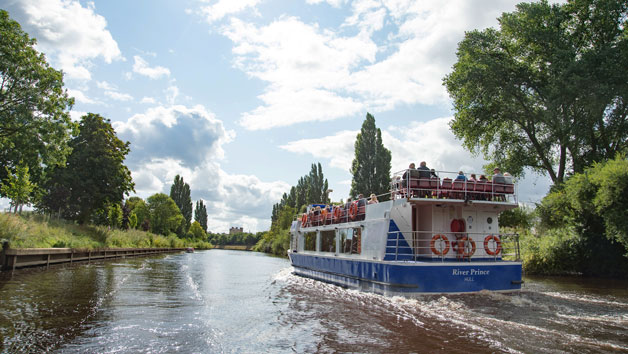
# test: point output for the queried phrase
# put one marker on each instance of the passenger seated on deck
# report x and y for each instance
(483, 178)
(498, 177)
(507, 178)
(373, 199)
(424, 171)
(461, 176)
(411, 173)
(433, 174)
(472, 178)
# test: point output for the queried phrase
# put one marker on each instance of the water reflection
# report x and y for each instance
(230, 301)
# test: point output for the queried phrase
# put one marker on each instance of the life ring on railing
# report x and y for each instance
(304, 219)
(460, 247)
(497, 241)
(353, 210)
(337, 213)
(433, 245)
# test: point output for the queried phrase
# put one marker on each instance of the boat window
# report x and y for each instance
(350, 240)
(328, 241)
(310, 241)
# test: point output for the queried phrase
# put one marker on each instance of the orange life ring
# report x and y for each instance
(497, 249)
(460, 248)
(433, 244)
(304, 219)
(353, 210)
(337, 213)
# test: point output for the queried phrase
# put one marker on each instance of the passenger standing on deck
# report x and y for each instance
(373, 199)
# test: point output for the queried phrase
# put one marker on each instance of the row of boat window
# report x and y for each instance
(350, 241)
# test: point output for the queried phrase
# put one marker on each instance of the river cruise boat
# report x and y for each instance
(435, 235)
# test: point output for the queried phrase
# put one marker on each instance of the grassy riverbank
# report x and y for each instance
(36, 231)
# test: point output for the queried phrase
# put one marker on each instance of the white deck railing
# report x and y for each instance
(444, 185)
(448, 246)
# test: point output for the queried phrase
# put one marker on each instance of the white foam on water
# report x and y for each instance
(584, 298)
(618, 320)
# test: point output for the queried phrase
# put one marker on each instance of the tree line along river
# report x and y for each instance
(245, 302)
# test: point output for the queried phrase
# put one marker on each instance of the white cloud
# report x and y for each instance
(222, 8)
(70, 34)
(118, 96)
(150, 100)
(334, 3)
(187, 135)
(81, 97)
(338, 148)
(172, 92)
(76, 115)
(140, 66)
(106, 86)
(385, 54)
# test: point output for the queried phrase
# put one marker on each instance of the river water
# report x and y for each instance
(222, 301)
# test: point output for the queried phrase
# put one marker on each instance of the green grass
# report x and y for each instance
(36, 231)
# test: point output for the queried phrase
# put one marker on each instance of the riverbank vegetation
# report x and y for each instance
(38, 231)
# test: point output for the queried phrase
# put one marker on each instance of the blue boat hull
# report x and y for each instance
(408, 278)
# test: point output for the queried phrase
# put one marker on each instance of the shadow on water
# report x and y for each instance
(235, 301)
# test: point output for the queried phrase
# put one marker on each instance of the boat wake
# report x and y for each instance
(526, 321)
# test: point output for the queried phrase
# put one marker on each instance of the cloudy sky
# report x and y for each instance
(240, 97)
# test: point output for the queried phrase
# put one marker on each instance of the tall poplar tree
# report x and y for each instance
(371, 165)
(200, 214)
(180, 193)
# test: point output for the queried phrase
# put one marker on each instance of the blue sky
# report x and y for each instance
(240, 97)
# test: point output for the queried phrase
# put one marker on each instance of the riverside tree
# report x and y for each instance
(180, 193)
(200, 214)
(35, 125)
(165, 216)
(95, 175)
(18, 187)
(371, 166)
(548, 90)
(311, 188)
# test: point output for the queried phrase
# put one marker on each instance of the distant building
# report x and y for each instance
(236, 230)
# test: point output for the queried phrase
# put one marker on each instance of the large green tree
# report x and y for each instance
(548, 90)
(371, 165)
(165, 216)
(180, 193)
(200, 214)
(35, 125)
(95, 175)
